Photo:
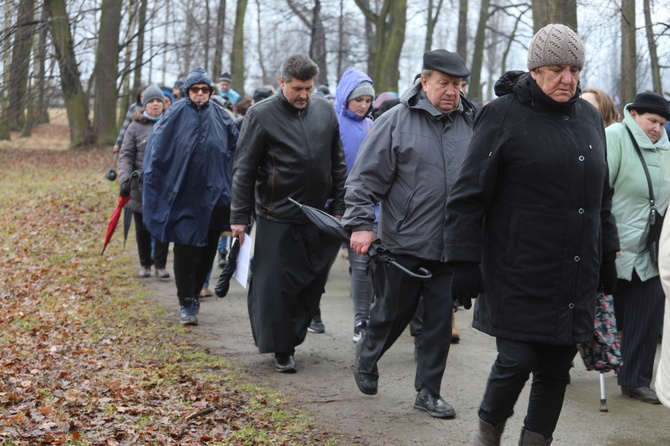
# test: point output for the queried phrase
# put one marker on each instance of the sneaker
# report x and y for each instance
(205, 292)
(316, 325)
(161, 273)
(187, 315)
(359, 330)
(145, 271)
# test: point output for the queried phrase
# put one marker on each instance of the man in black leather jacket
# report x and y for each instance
(289, 147)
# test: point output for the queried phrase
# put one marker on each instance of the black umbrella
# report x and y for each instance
(222, 285)
(378, 251)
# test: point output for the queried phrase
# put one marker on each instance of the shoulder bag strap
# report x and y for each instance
(646, 172)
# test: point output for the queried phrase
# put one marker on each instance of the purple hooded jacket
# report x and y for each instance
(353, 128)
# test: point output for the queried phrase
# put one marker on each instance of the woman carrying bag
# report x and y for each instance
(638, 154)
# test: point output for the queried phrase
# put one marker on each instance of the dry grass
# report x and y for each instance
(52, 136)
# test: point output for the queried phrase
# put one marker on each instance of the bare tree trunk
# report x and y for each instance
(430, 24)
(651, 43)
(554, 11)
(237, 57)
(42, 111)
(390, 35)
(317, 44)
(139, 57)
(340, 40)
(81, 132)
(6, 61)
(106, 71)
(462, 38)
(628, 52)
(218, 43)
(475, 87)
(19, 68)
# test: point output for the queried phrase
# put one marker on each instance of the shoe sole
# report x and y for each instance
(293, 370)
(314, 330)
(193, 321)
(435, 414)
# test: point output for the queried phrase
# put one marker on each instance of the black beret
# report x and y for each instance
(648, 102)
(445, 62)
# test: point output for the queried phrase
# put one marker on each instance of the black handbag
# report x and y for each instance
(655, 217)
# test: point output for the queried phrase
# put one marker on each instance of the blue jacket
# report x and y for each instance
(188, 170)
(353, 128)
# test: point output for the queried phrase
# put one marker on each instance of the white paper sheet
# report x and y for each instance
(244, 259)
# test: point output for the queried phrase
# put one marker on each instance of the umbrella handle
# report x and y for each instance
(423, 273)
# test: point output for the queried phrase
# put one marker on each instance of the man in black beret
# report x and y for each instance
(427, 133)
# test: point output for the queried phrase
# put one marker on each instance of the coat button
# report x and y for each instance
(581, 210)
(581, 158)
(571, 306)
(577, 259)
(565, 118)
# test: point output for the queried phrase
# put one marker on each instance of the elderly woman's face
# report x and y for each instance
(650, 123)
(559, 82)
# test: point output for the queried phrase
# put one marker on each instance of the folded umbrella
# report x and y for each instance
(378, 250)
(603, 351)
(114, 220)
(223, 283)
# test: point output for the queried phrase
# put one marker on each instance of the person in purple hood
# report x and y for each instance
(353, 105)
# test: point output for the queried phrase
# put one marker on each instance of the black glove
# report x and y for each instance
(466, 283)
(125, 189)
(608, 274)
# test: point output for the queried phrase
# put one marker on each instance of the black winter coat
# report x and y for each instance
(532, 202)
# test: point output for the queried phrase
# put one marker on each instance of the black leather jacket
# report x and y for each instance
(287, 152)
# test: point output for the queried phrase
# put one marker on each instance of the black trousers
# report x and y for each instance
(397, 299)
(191, 266)
(143, 238)
(550, 366)
(639, 315)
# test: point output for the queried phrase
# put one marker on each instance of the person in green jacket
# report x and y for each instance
(638, 298)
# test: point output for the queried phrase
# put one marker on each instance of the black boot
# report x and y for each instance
(488, 434)
(529, 438)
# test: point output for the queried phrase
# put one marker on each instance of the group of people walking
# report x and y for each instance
(528, 205)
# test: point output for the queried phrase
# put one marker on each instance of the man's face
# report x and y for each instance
(650, 123)
(199, 93)
(224, 85)
(442, 90)
(176, 92)
(559, 82)
(297, 92)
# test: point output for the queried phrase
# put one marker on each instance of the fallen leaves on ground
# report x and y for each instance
(85, 357)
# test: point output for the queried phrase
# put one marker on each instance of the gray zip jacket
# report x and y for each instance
(408, 163)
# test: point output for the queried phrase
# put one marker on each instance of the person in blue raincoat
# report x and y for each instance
(187, 185)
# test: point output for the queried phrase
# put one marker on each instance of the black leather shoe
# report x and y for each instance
(434, 405)
(366, 383)
(284, 363)
(644, 394)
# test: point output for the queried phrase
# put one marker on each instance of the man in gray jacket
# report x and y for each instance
(408, 163)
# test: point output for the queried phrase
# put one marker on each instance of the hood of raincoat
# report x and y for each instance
(353, 128)
(188, 170)
(349, 80)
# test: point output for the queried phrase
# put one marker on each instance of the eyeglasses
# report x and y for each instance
(196, 90)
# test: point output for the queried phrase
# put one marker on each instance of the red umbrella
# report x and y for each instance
(111, 226)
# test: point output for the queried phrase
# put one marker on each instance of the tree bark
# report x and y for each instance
(554, 11)
(42, 108)
(390, 35)
(218, 38)
(462, 38)
(628, 52)
(106, 71)
(431, 21)
(475, 87)
(139, 54)
(237, 57)
(19, 68)
(317, 43)
(81, 132)
(651, 43)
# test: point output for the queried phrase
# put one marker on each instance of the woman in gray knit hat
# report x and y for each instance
(532, 204)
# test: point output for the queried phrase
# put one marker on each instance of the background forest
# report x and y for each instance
(89, 56)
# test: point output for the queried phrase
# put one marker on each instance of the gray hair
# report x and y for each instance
(299, 66)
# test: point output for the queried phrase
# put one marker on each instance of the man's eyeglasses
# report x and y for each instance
(196, 90)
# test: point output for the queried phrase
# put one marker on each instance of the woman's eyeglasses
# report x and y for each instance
(196, 90)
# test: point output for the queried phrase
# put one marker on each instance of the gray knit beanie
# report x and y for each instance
(152, 92)
(555, 44)
(365, 88)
